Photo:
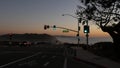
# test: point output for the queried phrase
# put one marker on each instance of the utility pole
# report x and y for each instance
(79, 21)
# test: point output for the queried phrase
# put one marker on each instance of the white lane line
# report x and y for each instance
(65, 63)
(46, 63)
(19, 60)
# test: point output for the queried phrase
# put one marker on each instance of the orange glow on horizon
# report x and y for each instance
(94, 31)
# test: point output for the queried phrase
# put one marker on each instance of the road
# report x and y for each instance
(39, 57)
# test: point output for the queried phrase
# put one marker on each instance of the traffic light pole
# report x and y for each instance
(67, 29)
(78, 33)
(87, 35)
(87, 38)
(47, 27)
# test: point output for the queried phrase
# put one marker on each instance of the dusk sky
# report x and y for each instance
(30, 16)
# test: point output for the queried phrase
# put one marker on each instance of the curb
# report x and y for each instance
(99, 66)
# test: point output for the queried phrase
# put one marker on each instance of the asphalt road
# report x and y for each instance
(38, 57)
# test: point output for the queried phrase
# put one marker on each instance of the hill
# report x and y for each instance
(28, 37)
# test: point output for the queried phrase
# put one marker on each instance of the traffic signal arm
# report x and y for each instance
(54, 27)
(67, 29)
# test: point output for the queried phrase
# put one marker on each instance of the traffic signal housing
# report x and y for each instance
(86, 29)
(54, 27)
(46, 27)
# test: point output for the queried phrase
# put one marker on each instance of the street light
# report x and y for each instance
(79, 21)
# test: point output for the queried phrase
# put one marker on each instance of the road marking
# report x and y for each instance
(65, 63)
(20, 60)
(46, 63)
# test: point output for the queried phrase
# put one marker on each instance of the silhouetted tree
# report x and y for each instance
(105, 13)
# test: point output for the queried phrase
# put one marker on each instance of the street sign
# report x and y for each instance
(65, 31)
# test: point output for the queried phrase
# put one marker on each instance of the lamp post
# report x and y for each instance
(79, 21)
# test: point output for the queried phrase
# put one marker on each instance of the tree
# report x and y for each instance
(106, 14)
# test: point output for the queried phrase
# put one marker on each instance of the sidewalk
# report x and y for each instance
(88, 57)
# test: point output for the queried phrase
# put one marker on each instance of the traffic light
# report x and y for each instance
(46, 27)
(86, 29)
(54, 27)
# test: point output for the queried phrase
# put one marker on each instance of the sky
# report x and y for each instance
(30, 16)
